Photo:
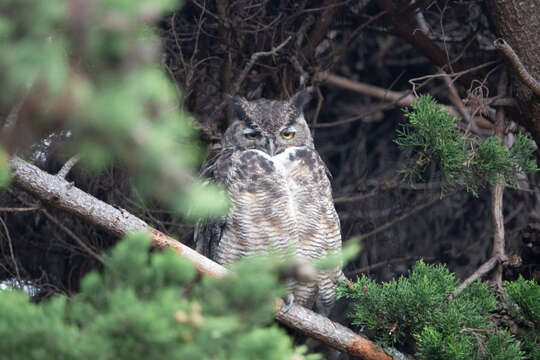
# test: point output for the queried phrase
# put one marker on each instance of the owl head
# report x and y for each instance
(269, 125)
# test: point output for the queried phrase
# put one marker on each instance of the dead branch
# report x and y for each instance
(498, 256)
(518, 66)
(251, 62)
(400, 98)
(66, 168)
(481, 271)
(331, 333)
(497, 195)
(405, 98)
(11, 252)
(62, 194)
(410, 32)
(58, 192)
(331, 9)
(18, 209)
(389, 224)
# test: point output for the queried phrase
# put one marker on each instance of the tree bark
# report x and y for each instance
(518, 23)
(56, 191)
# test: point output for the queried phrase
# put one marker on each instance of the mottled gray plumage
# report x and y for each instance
(281, 196)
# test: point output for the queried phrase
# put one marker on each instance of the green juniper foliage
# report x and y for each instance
(416, 308)
(523, 301)
(122, 107)
(151, 306)
(465, 161)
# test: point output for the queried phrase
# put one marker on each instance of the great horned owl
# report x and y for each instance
(281, 197)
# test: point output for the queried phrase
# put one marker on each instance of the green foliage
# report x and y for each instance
(435, 135)
(150, 306)
(524, 303)
(526, 295)
(417, 308)
(522, 153)
(336, 259)
(31, 31)
(501, 346)
(5, 172)
(464, 161)
(120, 105)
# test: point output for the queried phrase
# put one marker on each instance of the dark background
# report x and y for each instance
(207, 47)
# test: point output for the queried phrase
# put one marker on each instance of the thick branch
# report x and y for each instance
(402, 24)
(58, 192)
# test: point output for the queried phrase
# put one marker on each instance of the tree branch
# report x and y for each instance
(66, 168)
(254, 57)
(518, 66)
(58, 192)
(404, 98)
(498, 256)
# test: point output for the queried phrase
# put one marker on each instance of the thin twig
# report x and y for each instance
(481, 271)
(382, 264)
(17, 209)
(71, 234)
(405, 98)
(254, 57)
(513, 58)
(456, 99)
(454, 75)
(391, 223)
(11, 252)
(68, 166)
(498, 256)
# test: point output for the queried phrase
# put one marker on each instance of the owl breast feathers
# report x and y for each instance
(280, 201)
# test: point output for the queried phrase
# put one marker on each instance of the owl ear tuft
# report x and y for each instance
(301, 98)
(238, 105)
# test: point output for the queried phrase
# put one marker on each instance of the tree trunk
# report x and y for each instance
(518, 23)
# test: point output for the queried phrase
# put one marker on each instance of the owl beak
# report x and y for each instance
(271, 146)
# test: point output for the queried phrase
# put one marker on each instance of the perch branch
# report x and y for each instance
(513, 58)
(58, 192)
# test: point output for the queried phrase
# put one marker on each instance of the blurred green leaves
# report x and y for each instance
(33, 45)
(92, 70)
(150, 306)
(5, 171)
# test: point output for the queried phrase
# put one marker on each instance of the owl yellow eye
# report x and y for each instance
(252, 135)
(287, 134)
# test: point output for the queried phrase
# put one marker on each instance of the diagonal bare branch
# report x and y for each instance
(58, 192)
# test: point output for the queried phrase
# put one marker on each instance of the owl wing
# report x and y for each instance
(208, 232)
(331, 229)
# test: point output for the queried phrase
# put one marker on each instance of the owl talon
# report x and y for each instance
(287, 303)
